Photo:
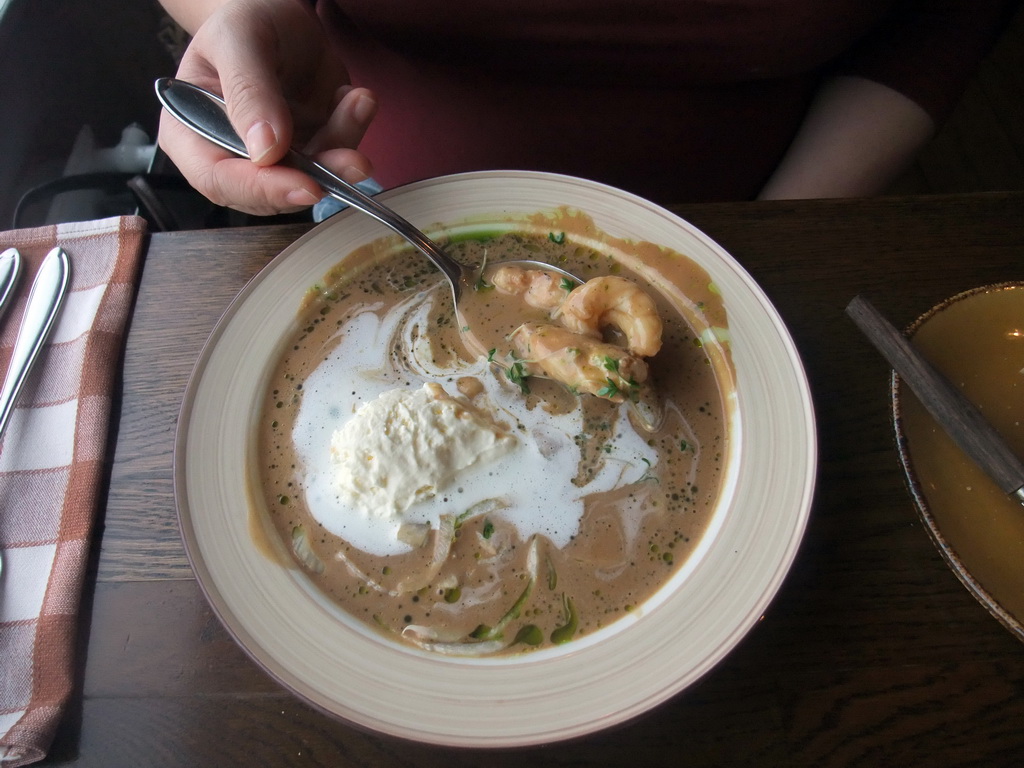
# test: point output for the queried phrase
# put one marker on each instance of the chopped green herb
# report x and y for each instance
(483, 632)
(490, 355)
(564, 633)
(488, 530)
(517, 375)
(611, 389)
(611, 364)
(558, 239)
(567, 284)
(529, 635)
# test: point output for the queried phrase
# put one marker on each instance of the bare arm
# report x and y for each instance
(856, 140)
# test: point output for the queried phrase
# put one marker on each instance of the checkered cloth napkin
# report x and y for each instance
(51, 463)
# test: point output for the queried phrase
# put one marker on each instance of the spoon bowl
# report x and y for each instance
(204, 112)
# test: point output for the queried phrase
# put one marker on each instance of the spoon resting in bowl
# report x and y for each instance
(204, 113)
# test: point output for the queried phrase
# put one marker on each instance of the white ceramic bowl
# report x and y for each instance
(335, 664)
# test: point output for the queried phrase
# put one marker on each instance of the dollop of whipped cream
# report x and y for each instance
(408, 445)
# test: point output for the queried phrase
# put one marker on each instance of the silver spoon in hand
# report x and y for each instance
(204, 113)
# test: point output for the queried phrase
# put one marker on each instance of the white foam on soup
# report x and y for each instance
(532, 482)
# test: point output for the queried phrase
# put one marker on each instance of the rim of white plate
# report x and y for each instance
(351, 673)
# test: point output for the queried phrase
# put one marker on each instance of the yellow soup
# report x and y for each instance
(977, 341)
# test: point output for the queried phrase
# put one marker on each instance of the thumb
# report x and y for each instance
(257, 108)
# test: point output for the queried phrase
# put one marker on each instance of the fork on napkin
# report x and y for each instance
(51, 467)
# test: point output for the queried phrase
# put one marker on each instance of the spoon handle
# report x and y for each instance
(44, 301)
(338, 188)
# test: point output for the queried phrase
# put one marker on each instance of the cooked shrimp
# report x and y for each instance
(537, 288)
(614, 301)
(578, 361)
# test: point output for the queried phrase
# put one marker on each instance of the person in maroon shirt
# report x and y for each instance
(676, 100)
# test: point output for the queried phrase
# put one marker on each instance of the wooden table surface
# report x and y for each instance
(873, 653)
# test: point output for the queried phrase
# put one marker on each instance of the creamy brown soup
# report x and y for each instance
(632, 485)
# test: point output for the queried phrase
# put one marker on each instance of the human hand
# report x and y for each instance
(284, 86)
